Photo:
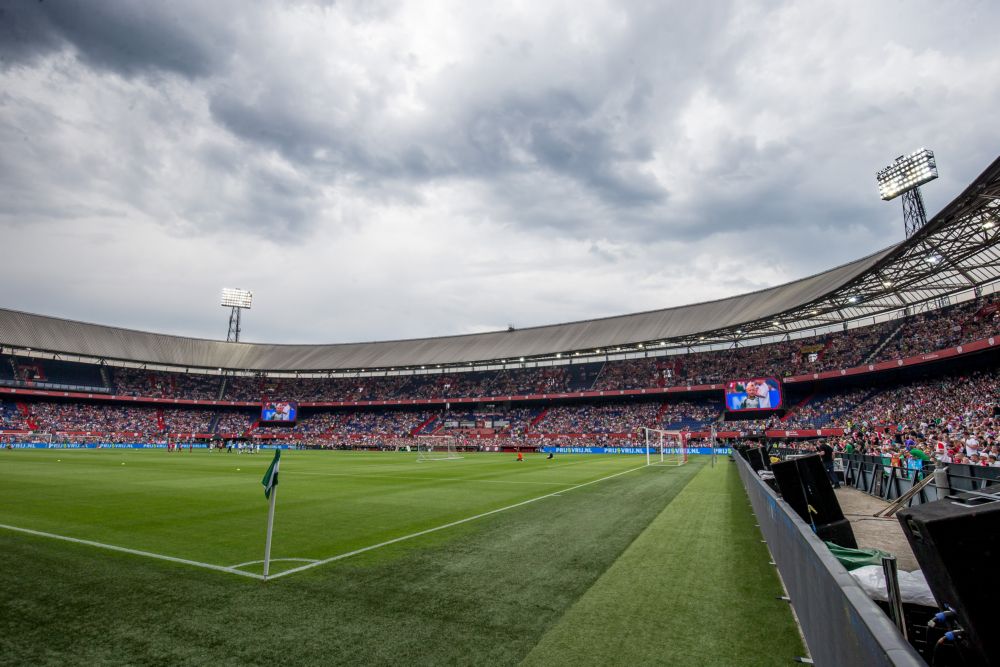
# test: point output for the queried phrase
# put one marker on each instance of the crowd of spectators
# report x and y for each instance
(598, 418)
(54, 417)
(474, 383)
(316, 389)
(137, 382)
(639, 373)
(690, 414)
(11, 417)
(513, 420)
(934, 413)
(179, 420)
(948, 420)
(918, 333)
(825, 409)
(910, 336)
(392, 422)
(316, 423)
(233, 423)
(935, 330)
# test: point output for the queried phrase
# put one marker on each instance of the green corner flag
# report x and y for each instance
(271, 476)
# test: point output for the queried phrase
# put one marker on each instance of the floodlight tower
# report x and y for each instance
(904, 177)
(237, 299)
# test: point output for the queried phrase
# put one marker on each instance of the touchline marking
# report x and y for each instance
(447, 525)
(310, 562)
(420, 479)
(134, 552)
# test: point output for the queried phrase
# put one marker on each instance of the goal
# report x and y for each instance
(62, 440)
(666, 448)
(437, 448)
(25, 440)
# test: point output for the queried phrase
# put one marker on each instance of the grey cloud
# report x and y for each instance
(130, 37)
(581, 137)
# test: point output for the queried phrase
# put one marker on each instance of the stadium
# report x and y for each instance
(414, 533)
(688, 455)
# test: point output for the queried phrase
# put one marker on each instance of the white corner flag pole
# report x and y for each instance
(270, 483)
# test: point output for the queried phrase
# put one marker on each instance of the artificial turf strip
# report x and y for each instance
(694, 589)
(480, 593)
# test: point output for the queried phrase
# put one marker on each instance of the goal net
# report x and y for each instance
(666, 448)
(437, 448)
(25, 440)
(62, 440)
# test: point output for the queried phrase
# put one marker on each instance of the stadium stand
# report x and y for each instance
(918, 334)
(827, 409)
(949, 419)
(135, 382)
(598, 418)
(16, 370)
(948, 410)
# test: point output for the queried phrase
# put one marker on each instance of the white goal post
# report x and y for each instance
(437, 448)
(10, 439)
(666, 448)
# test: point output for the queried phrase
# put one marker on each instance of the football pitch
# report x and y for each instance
(145, 557)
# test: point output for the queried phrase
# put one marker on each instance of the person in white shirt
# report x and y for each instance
(764, 394)
(971, 445)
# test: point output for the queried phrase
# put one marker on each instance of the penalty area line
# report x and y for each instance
(452, 524)
(134, 552)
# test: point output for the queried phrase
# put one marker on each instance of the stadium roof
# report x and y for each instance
(955, 252)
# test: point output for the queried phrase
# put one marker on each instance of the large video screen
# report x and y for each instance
(278, 411)
(756, 394)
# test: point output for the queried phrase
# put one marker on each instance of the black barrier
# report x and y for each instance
(876, 477)
(841, 624)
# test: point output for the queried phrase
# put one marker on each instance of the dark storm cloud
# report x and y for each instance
(560, 123)
(129, 37)
(600, 158)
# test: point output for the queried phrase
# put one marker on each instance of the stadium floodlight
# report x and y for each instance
(907, 172)
(236, 300)
(233, 297)
(904, 177)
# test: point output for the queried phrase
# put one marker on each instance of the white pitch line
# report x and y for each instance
(273, 560)
(421, 479)
(447, 525)
(134, 552)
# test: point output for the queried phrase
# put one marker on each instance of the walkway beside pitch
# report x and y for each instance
(871, 531)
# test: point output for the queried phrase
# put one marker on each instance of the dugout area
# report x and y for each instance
(646, 565)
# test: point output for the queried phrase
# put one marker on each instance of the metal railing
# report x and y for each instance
(840, 623)
(876, 476)
(54, 386)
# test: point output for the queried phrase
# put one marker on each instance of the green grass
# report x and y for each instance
(700, 566)
(487, 591)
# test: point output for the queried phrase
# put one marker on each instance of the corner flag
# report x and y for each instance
(270, 483)
(271, 476)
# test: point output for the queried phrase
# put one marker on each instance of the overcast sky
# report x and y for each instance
(378, 170)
